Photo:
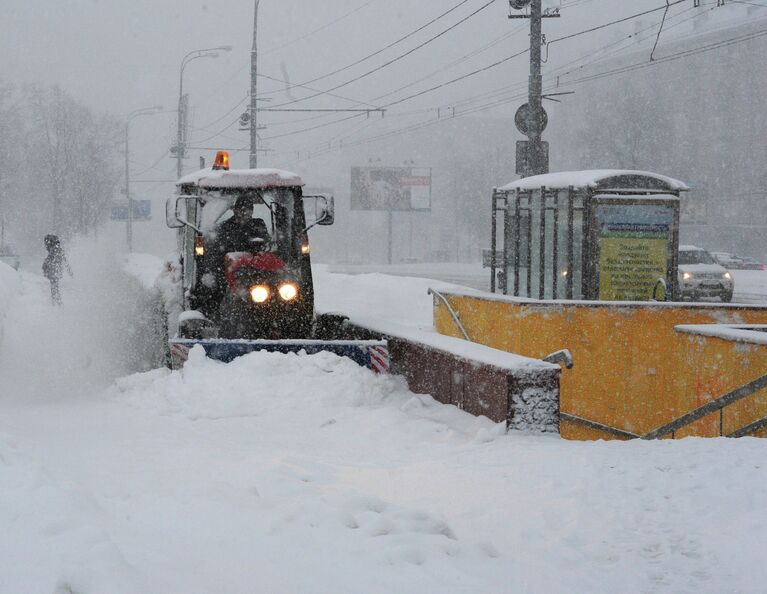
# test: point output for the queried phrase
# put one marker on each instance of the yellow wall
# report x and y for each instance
(633, 370)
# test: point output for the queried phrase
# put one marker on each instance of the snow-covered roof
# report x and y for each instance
(690, 248)
(586, 179)
(241, 178)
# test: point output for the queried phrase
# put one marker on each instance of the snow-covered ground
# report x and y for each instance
(309, 474)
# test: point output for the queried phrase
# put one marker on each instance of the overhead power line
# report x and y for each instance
(303, 86)
(671, 57)
(495, 64)
(452, 64)
(617, 22)
(396, 59)
(318, 29)
(239, 71)
(409, 97)
(383, 49)
(596, 76)
(456, 62)
(474, 72)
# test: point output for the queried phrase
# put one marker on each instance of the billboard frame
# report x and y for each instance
(412, 172)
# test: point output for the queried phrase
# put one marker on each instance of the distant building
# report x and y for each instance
(698, 112)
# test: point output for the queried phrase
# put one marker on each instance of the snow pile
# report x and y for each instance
(144, 267)
(286, 385)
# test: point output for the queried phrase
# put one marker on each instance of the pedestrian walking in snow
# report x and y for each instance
(53, 266)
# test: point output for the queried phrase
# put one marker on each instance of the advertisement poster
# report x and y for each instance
(142, 211)
(391, 188)
(635, 242)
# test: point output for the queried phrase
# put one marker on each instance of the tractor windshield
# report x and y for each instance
(273, 211)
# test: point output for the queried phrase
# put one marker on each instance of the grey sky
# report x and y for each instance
(119, 55)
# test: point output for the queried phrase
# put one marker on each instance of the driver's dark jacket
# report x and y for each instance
(230, 236)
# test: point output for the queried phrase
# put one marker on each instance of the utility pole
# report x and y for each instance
(253, 92)
(531, 119)
(535, 90)
(183, 107)
(146, 111)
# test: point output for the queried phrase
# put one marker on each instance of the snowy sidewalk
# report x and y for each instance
(308, 474)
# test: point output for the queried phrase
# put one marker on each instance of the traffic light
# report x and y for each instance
(518, 4)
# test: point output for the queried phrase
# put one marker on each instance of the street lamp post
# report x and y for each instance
(180, 147)
(146, 111)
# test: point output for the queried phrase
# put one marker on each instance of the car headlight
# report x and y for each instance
(259, 293)
(686, 276)
(288, 291)
(727, 275)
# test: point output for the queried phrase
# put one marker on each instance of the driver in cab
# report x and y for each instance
(239, 233)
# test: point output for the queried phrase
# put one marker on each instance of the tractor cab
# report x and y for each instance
(244, 251)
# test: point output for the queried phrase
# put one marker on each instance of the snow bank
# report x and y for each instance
(144, 267)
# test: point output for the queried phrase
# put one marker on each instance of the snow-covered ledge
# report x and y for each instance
(750, 333)
(502, 386)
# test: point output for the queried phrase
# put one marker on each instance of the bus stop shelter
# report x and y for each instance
(604, 235)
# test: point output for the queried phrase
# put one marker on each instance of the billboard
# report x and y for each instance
(142, 211)
(391, 188)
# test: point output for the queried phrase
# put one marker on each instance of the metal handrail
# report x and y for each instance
(661, 282)
(599, 426)
(749, 429)
(450, 309)
(563, 357)
(715, 405)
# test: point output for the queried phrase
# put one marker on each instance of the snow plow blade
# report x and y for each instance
(373, 354)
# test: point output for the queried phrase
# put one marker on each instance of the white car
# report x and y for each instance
(727, 259)
(700, 276)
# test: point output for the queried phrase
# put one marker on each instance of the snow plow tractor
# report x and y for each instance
(244, 270)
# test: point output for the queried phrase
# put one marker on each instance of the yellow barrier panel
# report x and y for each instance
(633, 370)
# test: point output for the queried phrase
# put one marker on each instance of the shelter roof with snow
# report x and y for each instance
(216, 179)
(599, 179)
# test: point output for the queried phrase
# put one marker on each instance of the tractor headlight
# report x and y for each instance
(687, 276)
(259, 293)
(288, 291)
